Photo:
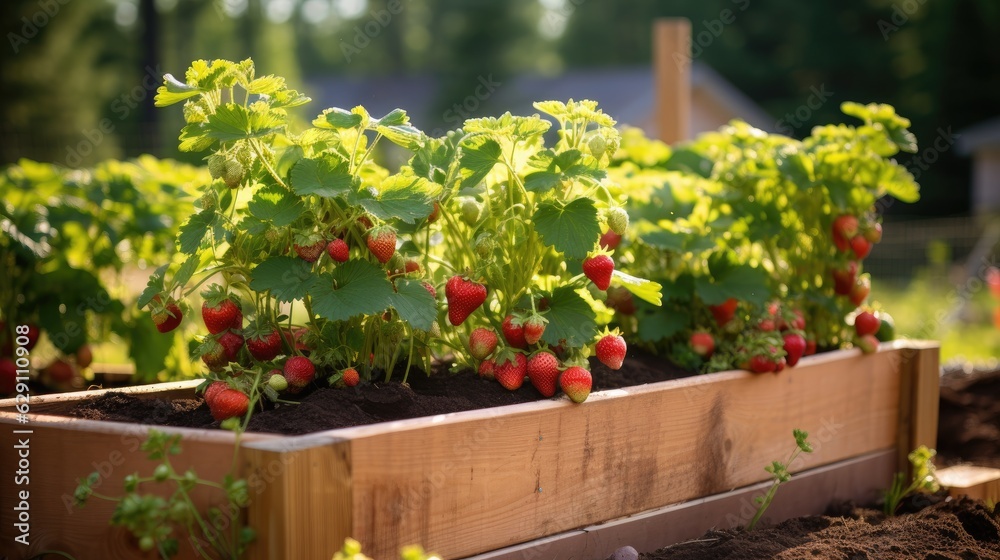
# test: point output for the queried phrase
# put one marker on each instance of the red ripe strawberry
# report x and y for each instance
(219, 311)
(411, 266)
(795, 347)
(464, 296)
(299, 371)
(576, 383)
(310, 251)
(487, 369)
(599, 269)
(166, 316)
(844, 277)
(543, 372)
(265, 344)
(860, 290)
(534, 328)
(84, 356)
(229, 403)
(610, 349)
(8, 376)
(866, 323)
(338, 250)
(797, 323)
(780, 364)
(513, 332)
(724, 312)
(861, 247)
(510, 370)
(610, 240)
(703, 344)
(213, 390)
(845, 228)
(382, 243)
(232, 342)
(767, 325)
(874, 233)
(60, 371)
(430, 289)
(867, 343)
(214, 355)
(482, 343)
(762, 363)
(351, 377)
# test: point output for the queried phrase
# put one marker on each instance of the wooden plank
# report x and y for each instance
(59, 403)
(63, 451)
(978, 483)
(808, 493)
(514, 474)
(672, 78)
(300, 496)
(919, 395)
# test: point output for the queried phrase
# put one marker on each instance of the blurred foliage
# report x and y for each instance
(72, 240)
(937, 62)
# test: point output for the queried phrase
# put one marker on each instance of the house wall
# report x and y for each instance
(986, 180)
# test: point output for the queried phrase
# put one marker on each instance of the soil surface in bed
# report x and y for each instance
(326, 408)
(946, 529)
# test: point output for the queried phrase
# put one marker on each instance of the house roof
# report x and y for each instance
(627, 94)
(983, 135)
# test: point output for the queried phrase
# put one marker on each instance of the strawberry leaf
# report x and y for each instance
(479, 155)
(573, 228)
(403, 135)
(403, 196)
(570, 318)
(276, 205)
(235, 122)
(153, 286)
(186, 271)
(326, 176)
(742, 282)
(356, 287)
(288, 278)
(414, 304)
(646, 290)
(173, 91)
(193, 232)
(336, 118)
(266, 85)
(657, 324)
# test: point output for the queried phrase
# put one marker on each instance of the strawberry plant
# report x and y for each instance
(154, 517)
(923, 479)
(71, 238)
(755, 235)
(780, 475)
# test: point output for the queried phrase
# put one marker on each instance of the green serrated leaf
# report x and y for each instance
(542, 181)
(327, 176)
(479, 155)
(646, 290)
(573, 229)
(356, 287)
(335, 118)
(266, 85)
(287, 278)
(193, 232)
(414, 304)
(402, 196)
(186, 271)
(570, 318)
(153, 286)
(194, 138)
(173, 91)
(393, 118)
(235, 122)
(403, 135)
(276, 205)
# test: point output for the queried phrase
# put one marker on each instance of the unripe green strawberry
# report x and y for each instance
(617, 219)
(598, 145)
(470, 211)
(216, 165)
(277, 382)
(208, 201)
(233, 174)
(484, 245)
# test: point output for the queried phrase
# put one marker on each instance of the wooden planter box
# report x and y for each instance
(472, 482)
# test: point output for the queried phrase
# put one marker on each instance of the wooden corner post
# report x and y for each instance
(672, 78)
(918, 406)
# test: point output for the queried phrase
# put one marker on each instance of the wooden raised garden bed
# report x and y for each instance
(472, 482)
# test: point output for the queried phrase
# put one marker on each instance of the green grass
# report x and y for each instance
(931, 308)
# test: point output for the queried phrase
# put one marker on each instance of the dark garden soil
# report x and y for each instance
(945, 530)
(969, 420)
(326, 408)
